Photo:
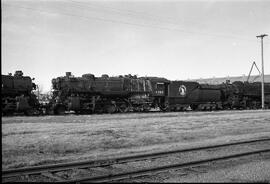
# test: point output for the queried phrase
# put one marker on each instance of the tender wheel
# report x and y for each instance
(29, 112)
(60, 110)
(164, 108)
(146, 108)
(194, 107)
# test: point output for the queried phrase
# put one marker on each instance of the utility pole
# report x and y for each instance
(261, 36)
(38, 92)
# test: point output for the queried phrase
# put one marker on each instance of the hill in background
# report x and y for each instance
(252, 78)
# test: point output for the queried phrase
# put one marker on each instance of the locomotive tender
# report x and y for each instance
(90, 94)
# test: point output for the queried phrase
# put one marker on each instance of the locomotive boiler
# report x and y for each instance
(122, 93)
(89, 94)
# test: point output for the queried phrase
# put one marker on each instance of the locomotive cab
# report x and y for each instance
(159, 92)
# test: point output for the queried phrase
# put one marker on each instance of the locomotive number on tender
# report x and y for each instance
(159, 92)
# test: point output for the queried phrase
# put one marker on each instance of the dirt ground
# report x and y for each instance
(28, 141)
(250, 169)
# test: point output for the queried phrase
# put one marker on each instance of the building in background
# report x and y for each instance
(214, 80)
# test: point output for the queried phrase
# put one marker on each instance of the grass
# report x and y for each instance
(52, 139)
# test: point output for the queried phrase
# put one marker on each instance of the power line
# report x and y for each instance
(127, 23)
(143, 15)
(132, 13)
(97, 18)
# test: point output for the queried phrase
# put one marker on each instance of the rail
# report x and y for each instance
(137, 173)
(120, 160)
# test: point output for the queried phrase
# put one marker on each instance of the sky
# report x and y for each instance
(175, 39)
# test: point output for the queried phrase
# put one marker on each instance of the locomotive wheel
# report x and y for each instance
(136, 109)
(164, 108)
(194, 107)
(8, 113)
(123, 108)
(77, 112)
(50, 112)
(110, 108)
(83, 111)
(99, 108)
(29, 112)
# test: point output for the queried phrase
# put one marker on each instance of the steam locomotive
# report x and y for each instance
(90, 94)
(17, 94)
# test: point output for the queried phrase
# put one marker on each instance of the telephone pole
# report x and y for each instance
(261, 36)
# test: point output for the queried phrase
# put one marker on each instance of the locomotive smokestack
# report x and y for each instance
(68, 74)
(18, 73)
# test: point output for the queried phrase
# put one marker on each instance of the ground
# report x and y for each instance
(28, 141)
(250, 172)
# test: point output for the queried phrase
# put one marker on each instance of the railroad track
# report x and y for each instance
(50, 170)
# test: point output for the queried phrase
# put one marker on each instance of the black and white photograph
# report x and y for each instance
(135, 91)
